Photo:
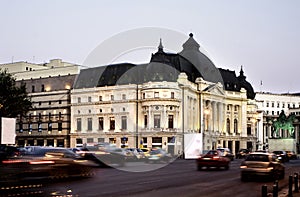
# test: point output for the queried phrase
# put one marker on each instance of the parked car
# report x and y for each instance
(291, 154)
(138, 154)
(158, 155)
(146, 151)
(282, 155)
(242, 153)
(258, 164)
(226, 152)
(213, 158)
(104, 156)
(9, 151)
(43, 163)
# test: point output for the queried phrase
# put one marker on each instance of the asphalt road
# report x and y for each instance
(177, 179)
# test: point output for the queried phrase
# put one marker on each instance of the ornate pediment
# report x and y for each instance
(215, 89)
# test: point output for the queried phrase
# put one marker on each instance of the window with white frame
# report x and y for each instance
(124, 122)
(90, 124)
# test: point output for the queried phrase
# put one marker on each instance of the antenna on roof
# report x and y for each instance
(12, 59)
(261, 83)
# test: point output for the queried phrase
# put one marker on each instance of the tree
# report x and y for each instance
(14, 100)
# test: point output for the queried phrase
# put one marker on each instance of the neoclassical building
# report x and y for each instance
(154, 104)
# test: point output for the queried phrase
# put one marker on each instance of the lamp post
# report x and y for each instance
(182, 117)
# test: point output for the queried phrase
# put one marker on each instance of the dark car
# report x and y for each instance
(45, 162)
(260, 164)
(282, 155)
(103, 156)
(291, 154)
(242, 153)
(8, 151)
(213, 158)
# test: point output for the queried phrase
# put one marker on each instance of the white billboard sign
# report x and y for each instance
(8, 130)
(192, 145)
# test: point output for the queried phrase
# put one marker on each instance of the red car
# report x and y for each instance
(213, 158)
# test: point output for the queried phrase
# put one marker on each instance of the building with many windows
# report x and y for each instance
(154, 104)
(271, 105)
(48, 85)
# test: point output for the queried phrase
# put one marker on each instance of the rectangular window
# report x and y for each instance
(90, 140)
(156, 94)
(124, 122)
(90, 124)
(89, 99)
(171, 125)
(156, 121)
(32, 88)
(49, 126)
(40, 128)
(249, 129)
(20, 127)
(30, 127)
(101, 123)
(172, 95)
(43, 88)
(112, 123)
(112, 140)
(78, 100)
(112, 97)
(100, 140)
(124, 96)
(100, 98)
(145, 121)
(78, 124)
(59, 126)
(79, 141)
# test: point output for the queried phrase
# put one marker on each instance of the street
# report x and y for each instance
(180, 178)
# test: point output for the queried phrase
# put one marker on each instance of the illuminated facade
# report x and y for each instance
(153, 104)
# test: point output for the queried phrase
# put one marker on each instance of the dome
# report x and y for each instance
(201, 62)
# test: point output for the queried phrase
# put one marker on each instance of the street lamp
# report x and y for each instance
(182, 117)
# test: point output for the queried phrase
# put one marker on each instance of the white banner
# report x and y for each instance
(8, 130)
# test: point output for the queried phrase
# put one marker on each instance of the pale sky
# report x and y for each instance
(263, 36)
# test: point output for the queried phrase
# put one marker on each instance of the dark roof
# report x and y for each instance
(164, 67)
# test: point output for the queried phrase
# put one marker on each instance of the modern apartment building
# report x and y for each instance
(48, 85)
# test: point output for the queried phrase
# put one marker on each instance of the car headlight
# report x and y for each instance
(243, 167)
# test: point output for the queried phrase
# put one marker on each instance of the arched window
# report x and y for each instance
(228, 125)
(235, 126)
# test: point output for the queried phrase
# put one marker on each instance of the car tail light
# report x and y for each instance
(41, 162)
(216, 157)
(12, 161)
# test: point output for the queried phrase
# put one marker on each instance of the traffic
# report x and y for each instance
(22, 165)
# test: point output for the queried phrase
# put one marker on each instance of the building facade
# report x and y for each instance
(271, 105)
(48, 85)
(154, 104)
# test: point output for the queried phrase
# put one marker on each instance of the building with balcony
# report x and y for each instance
(154, 104)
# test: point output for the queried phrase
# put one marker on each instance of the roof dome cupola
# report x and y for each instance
(245, 84)
(242, 76)
(160, 46)
(191, 44)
